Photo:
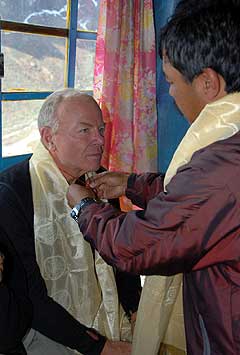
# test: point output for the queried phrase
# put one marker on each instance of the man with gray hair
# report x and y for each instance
(75, 294)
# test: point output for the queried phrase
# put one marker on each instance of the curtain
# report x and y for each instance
(125, 84)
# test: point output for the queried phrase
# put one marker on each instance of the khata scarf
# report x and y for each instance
(75, 276)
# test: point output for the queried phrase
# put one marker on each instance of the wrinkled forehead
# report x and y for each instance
(79, 108)
(80, 100)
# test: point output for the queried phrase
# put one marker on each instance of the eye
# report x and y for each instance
(101, 130)
(84, 130)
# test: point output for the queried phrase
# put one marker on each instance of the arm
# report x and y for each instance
(142, 188)
(174, 232)
(15, 307)
(14, 321)
(139, 188)
(49, 317)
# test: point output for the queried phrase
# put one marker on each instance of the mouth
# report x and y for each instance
(95, 155)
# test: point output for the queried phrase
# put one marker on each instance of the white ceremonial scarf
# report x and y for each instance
(75, 276)
(160, 315)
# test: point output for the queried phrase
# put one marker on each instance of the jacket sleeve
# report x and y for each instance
(175, 231)
(14, 320)
(142, 188)
(49, 317)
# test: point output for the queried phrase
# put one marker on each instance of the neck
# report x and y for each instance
(70, 175)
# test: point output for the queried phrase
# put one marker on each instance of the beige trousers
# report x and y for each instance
(38, 344)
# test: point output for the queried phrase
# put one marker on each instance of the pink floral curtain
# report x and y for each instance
(125, 84)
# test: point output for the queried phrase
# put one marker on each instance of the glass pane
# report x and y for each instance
(38, 12)
(33, 62)
(85, 57)
(88, 14)
(20, 132)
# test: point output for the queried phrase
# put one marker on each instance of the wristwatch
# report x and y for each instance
(76, 211)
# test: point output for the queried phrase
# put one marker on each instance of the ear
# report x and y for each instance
(47, 138)
(212, 85)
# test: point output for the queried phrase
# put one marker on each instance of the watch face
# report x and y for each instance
(78, 208)
(75, 212)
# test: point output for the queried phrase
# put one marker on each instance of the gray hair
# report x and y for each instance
(47, 114)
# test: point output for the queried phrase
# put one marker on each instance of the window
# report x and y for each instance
(47, 45)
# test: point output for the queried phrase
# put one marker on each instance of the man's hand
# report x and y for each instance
(1, 266)
(109, 184)
(117, 348)
(76, 193)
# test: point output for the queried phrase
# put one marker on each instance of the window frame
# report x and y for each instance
(72, 34)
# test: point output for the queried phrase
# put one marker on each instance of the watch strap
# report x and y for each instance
(76, 211)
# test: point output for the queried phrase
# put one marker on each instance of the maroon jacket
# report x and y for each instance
(193, 228)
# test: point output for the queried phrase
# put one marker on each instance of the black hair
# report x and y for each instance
(192, 6)
(204, 34)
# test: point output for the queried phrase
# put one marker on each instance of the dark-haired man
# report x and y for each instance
(190, 222)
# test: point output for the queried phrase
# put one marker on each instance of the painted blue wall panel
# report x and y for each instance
(86, 35)
(171, 124)
(72, 42)
(19, 96)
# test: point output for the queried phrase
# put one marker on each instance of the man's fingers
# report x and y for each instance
(97, 179)
(101, 193)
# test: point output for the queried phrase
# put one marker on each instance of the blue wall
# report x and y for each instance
(171, 124)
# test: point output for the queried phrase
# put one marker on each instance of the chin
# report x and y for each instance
(93, 166)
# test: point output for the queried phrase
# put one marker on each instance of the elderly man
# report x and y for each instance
(190, 220)
(73, 291)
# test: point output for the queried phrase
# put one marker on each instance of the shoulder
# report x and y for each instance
(16, 174)
(17, 177)
(15, 188)
(216, 163)
(213, 169)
